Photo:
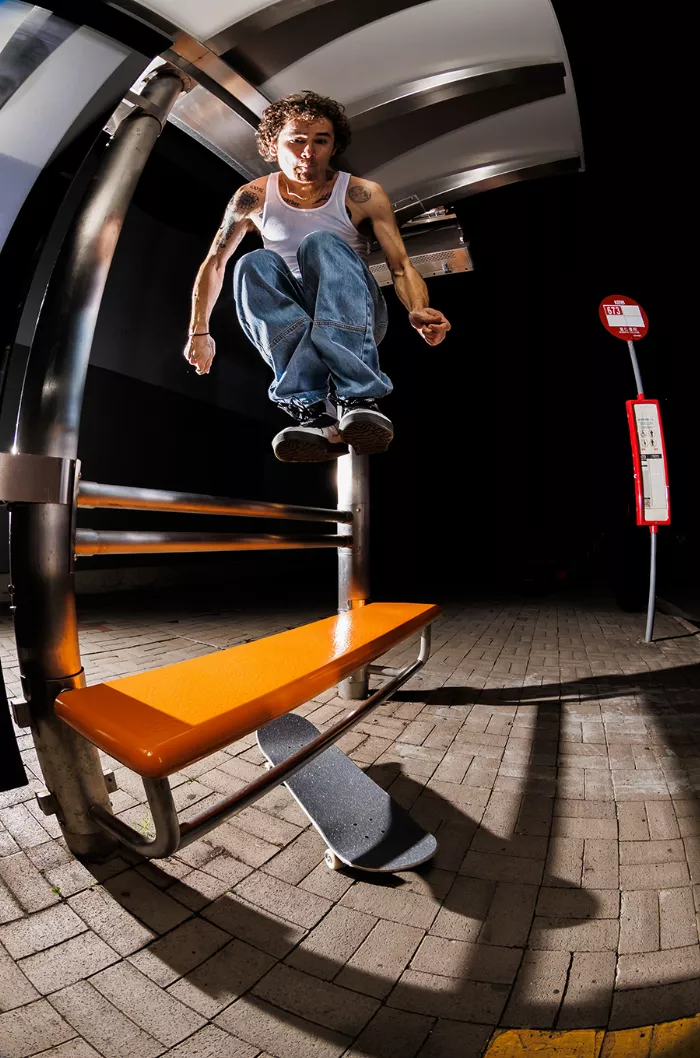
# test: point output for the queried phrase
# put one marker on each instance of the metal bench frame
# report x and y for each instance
(40, 480)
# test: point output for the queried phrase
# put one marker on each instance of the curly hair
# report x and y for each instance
(308, 106)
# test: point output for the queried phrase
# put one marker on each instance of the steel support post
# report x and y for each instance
(353, 562)
(41, 534)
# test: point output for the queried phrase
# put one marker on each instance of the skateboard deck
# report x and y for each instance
(362, 826)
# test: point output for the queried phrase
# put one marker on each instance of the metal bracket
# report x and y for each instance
(146, 105)
(26, 478)
(20, 712)
(110, 782)
(47, 803)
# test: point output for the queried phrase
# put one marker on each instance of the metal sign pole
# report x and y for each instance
(635, 368)
(651, 606)
(653, 530)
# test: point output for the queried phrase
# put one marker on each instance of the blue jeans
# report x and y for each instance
(326, 326)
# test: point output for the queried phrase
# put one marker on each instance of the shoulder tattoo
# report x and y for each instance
(359, 194)
(246, 201)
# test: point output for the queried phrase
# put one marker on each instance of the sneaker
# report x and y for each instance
(363, 426)
(315, 438)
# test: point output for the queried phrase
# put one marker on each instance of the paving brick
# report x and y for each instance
(33, 934)
(15, 989)
(644, 969)
(564, 864)
(510, 915)
(662, 820)
(246, 847)
(502, 868)
(223, 977)
(654, 876)
(32, 1028)
(439, 996)
(282, 1035)
(298, 859)
(26, 885)
(179, 951)
(154, 908)
(381, 958)
(589, 990)
(23, 827)
(538, 991)
(397, 905)
(272, 894)
(75, 1048)
(464, 909)
(246, 922)
(151, 1008)
(561, 934)
(67, 962)
(584, 827)
(106, 917)
(648, 1005)
(50, 854)
(333, 941)
(70, 878)
(455, 1039)
(392, 1034)
(477, 962)
(651, 852)
(102, 1025)
(677, 915)
(327, 1004)
(600, 864)
(578, 903)
(574, 809)
(639, 921)
(211, 1042)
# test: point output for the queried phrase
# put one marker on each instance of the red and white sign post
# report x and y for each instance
(628, 321)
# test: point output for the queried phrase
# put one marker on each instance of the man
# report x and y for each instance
(308, 301)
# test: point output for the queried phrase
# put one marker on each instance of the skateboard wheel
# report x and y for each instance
(332, 861)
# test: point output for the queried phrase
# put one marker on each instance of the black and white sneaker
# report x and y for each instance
(363, 426)
(315, 438)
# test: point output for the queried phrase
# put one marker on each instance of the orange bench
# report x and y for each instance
(160, 721)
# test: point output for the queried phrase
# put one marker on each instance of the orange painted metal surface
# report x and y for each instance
(159, 721)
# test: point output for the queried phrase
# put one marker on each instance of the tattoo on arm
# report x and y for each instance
(359, 194)
(243, 203)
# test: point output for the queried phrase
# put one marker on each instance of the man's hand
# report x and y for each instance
(200, 351)
(431, 324)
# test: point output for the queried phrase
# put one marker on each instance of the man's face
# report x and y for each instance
(304, 149)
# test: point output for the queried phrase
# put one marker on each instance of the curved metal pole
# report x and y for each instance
(41, 534)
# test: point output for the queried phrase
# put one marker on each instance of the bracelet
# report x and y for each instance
(199, 334)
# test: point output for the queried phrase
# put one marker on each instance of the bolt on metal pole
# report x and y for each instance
(651, 605)
(353, 562)
(41, 534)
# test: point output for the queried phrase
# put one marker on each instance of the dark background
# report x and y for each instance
(511, 467)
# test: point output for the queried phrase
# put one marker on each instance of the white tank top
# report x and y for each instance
(284, 227)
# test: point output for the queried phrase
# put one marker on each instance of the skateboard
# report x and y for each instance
(361, 825)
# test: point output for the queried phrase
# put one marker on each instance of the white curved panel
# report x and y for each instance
(204, 18)
(544, 128)
(421, 41)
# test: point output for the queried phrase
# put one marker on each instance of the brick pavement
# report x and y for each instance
(555, 756)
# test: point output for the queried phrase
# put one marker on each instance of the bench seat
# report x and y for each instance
(160, 721)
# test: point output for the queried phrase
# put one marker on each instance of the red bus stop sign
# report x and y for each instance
(623, 317)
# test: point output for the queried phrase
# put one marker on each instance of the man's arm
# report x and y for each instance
(200, 349)
(409, 285)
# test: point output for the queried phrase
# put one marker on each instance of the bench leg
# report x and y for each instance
(165, 822)
(353, 562)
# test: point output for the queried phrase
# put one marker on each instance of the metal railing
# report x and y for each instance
(122, 497)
